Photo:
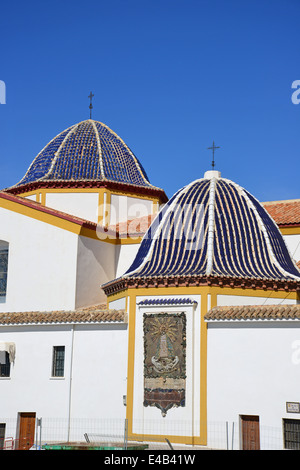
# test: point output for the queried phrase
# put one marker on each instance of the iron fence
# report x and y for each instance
(145, 435)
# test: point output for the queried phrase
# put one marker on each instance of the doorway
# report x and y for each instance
(26, 430)
(250, 432)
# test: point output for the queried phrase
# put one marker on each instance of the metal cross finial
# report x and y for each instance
(91, 106)
(213, 148)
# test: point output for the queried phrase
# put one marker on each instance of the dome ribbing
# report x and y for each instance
(213, 228)
(87, 151)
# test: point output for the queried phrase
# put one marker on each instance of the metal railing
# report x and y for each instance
(114, 433)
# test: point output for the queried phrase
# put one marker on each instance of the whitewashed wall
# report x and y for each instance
(41, 264)
(95, 266)
(293, 244)
(94, 380)
(127, 208)
(84, 205)
(50, 268)
(253, 369)
(125, 255)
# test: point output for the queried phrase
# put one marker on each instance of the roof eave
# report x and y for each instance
(200, 281)
(126, 187)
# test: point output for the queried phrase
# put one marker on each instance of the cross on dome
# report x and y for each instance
(213, 148)
(91, 96)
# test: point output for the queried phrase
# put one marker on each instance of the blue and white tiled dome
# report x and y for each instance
(213, 228)
(87, 151)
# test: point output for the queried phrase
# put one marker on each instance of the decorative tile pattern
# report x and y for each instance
(167, 301)
(87, 151)
(213, 227)
(164, 360)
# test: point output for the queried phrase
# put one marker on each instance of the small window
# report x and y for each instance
(58, 362)
(3, 269)
(4, 364)
(291, 431)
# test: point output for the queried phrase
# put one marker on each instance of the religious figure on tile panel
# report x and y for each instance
(164, 360)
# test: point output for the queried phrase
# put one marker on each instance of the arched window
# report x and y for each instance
(3, 269)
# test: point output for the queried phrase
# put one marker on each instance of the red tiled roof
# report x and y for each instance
(138, 226)
(284, 212)
(255, 312)
(94, 314)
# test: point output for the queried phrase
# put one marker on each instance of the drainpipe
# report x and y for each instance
(70, 381)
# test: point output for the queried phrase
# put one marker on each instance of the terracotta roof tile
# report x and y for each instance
(284, 212)
(94, 314)
(138, 226)
(255, 312)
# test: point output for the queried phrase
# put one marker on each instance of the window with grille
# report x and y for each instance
(3, 269)
(58, 362)
(4, 364)
(291, 432)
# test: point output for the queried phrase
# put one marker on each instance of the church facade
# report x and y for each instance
(121, 303)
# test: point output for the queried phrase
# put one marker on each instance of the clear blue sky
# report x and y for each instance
(169, 76)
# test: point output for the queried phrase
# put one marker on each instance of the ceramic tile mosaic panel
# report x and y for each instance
(164, 360)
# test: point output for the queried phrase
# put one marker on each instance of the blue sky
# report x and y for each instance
(169, 76)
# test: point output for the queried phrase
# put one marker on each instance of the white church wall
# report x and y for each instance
(125, 255)
(81, 204)
(118, 304)
(293, 244)
(41, 264)
(253, 369)
(127, 208)
(95, 266)
(93, 384)
(100, 376)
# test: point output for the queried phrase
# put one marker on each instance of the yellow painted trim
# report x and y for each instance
(119, 295)
(116, 192)
(189, 290)
(40, 215)
(62, 223)
(203, 372)
(213, 290)
(290, 230)
(130, 241)
(271, 294)
(43, 198)
(100, 205)
(62, 190)
(107, 214)
(29, 193)
(130, 373)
